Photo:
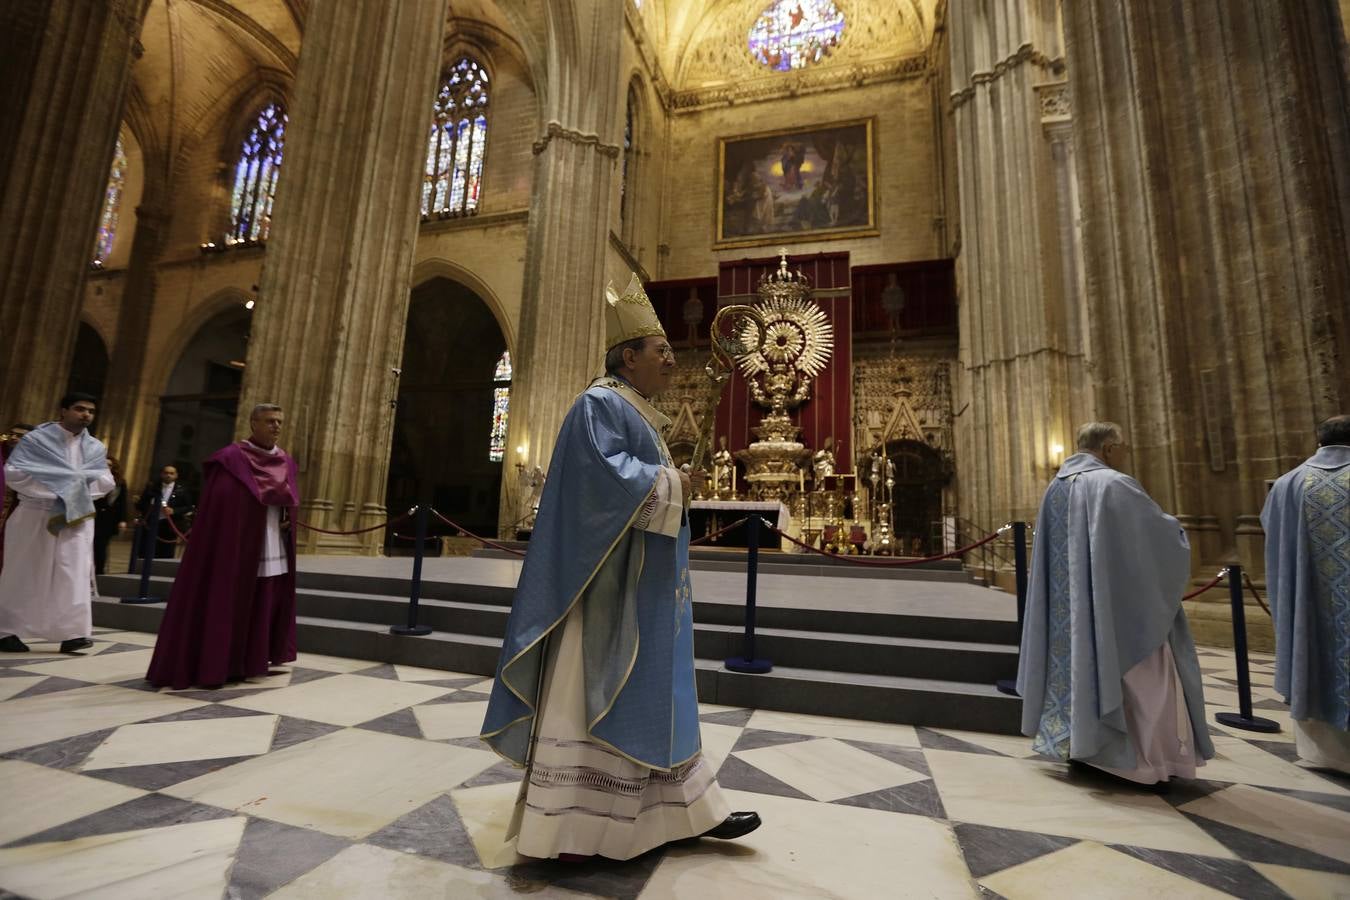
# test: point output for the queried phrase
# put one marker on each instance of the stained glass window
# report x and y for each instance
(501, 402)
(453, 178)
(112, 206)
(792, 34)
(255, 176)
(503, 371)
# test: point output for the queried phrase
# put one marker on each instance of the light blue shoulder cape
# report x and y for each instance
(633, 587)
(1108, 570)
(42, 454)
(1307, 522)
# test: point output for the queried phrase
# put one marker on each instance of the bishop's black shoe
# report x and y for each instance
(74, 644)
(12, 644)
(738, 824)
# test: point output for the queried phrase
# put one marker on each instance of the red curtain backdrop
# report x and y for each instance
(850, 297)
(930, 299)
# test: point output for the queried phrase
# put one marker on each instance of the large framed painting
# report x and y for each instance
(798, 184)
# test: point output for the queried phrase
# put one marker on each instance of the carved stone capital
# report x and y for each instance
(1055, 101)
(556, 130)
(1026, 54)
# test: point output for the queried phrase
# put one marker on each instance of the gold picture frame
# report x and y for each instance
(809, 183)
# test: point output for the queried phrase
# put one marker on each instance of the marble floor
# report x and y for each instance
(341, 778)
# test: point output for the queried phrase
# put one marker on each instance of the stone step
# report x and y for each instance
(482, 609)
(808, 565)
(815, 691)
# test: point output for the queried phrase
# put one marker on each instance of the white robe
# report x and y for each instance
(274, 559)
(46, 586)
(583, 798)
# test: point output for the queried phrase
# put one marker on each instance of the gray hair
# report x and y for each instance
(263, 408)
(614, 358)
(1094, 435)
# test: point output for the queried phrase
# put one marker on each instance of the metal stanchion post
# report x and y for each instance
(1243, 718)
(137, 541)
(149, 534)
(1019, 530)
(748, 663)
(412, 628)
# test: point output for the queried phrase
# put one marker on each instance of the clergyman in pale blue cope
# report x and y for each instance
(1307, 523)
(1108, 571)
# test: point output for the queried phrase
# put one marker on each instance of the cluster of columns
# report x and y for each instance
(1023, 353)
(327, 331)
(576, 162)
(1154, 223)
(1214, 148)
(66, 66)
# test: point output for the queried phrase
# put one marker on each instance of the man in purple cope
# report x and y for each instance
(231, 613)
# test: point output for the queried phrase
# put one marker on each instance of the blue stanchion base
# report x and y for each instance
(749, 666)
(1255, 723)
(414, 630)
(144, 599)
(1007, 686)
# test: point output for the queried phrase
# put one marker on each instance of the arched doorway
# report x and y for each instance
(198, 406)
(920, 474)
(443, 431)
(89, 366)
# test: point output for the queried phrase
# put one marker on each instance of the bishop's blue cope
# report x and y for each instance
(633, 587)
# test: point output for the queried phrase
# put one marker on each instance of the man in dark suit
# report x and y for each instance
(110, 516)
(174, 504)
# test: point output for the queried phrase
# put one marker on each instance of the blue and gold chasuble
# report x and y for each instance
(632, 585)
(1307, 523)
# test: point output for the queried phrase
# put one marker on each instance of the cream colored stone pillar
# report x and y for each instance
(1213, 141)
(576, 159)
(66, 67)
(129, 408)
(333, 298)
(1021, 350)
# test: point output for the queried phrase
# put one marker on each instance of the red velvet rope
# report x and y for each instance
(880, 562)
(385, 524)
(482, 540)
(1251, 587)
(1197, 592)
(182, 538)
(719, 532)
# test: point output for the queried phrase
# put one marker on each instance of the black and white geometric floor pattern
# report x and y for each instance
(342, 778)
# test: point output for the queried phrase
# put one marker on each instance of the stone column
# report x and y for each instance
(333, 299)
(1020, 351)
(128, 412)
(1214, 140)
(576, 162)
(66, 68)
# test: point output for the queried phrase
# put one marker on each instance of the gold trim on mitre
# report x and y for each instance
(629, 315)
